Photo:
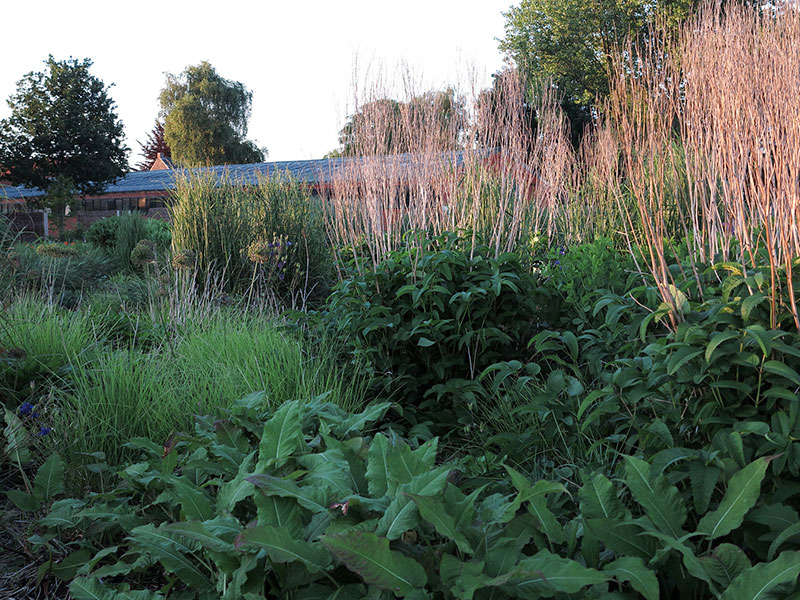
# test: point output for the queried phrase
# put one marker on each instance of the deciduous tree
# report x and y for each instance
(63, 130)
(206, 118)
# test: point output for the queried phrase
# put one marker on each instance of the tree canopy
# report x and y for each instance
(435, 120)
(205, 118)
(63, 124)
(572, 42)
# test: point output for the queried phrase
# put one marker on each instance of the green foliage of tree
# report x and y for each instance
(63, 129)
(206, 118)
(435, 120)
(572, 42)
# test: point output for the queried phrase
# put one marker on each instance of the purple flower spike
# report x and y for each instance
(44, 430)
(25, 409)
(280, 265)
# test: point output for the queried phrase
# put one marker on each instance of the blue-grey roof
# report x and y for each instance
(312, 172)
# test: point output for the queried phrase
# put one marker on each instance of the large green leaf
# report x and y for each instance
(788, 533)
(599, 499)
(758, 581)
(163, 547)
(432, 509)
(196, 531)
(238, 488)
(283, 436)
(631, 569)
(377, 469)
(281, 513)
(308, 497)
(194, 502)
(661, 501)
(623, 537)
(370, 557)
(462, 578)
(545, 575)
(400, 516)
(741, 495)
(704, 479)
(328, 469)
(356, 423)
(49, 479)
(89, 588)
(282, 547)
(725, 563)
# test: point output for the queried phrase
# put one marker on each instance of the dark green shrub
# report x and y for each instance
(428, 320)
(103, 233)
(132, 228)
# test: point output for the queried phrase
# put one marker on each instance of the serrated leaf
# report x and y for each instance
(757, 582)
(282, 437)
(718, 338)
(741, 495)
(631, 569)
(776, 367)
(370, 557)
(282, 547)
(661, 501)
(432, 509)
(49, 479)
(725, 563)
(749, 303)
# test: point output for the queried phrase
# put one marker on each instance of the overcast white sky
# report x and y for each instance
(295, 56)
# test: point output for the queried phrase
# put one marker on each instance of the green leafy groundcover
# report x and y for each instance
(300, 503)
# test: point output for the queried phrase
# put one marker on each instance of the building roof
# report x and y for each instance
(311, 172)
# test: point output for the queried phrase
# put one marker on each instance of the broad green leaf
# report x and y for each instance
(283, 436)
(788, 533)
(724, 563)
(238, 488)
(358, 422)
(69, 565)
(631, 569)
(598, 499)
(399, 517)
(432, 509)
(462, 578)
(718, 338)
(546, 574)
(169, 553)
(425, 342)
(49, 479)
(194, 502)
(778, 368)
(693, 565)
(329, 470)
(89, 588)
(370, 557)
(308, 497)
(704, 479)
(680, 358)
(280, 512)
(197, 531)
(661, 501)
(24, 501)
(623, 537)
(377, 469)
(758, 581)
(282, 547)
(742, 493)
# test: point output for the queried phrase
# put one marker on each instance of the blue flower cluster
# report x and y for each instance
(26, 409)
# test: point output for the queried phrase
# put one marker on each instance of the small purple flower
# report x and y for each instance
(562, 251)
(288, 244)
(281, 276)
(558, 262)
(44, 430)
(34, 415)
(25, 409)
(280, 265)
(270, 245)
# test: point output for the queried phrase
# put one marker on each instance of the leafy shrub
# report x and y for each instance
(427, 321)
(103, 233)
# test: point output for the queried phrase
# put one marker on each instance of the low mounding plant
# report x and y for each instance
(305, 502)
(428, 320)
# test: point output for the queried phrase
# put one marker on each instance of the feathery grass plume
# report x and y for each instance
(708, 131)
